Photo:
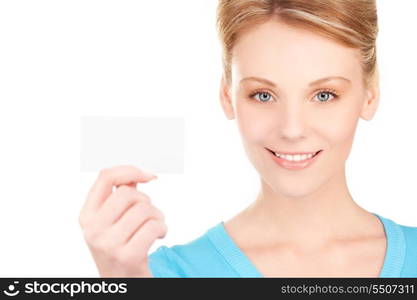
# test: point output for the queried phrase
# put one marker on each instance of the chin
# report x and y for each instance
(294, 189)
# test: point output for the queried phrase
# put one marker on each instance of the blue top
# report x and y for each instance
(214, 254)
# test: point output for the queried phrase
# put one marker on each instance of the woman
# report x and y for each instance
(298, 75)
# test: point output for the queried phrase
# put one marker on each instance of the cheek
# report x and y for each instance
(251, 125)
(338, 131)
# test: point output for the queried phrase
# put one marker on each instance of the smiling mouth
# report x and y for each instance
(273, 152)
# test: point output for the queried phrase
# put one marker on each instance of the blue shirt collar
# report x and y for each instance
(234, 256)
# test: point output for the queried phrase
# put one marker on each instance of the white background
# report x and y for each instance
(60, 60)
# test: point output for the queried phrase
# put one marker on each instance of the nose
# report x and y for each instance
(292, 122)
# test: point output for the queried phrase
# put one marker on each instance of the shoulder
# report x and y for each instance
(197, 258)
(409, 236)
(401, 251)
(410, 232)
(403, 232)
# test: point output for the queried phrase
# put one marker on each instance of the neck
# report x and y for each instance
(327, 213)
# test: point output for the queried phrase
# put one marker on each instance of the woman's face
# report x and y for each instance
(290, 113)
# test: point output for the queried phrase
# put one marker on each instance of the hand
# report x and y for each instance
(120, 227)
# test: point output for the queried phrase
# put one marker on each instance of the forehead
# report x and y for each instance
(282, 52)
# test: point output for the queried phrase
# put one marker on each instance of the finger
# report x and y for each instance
(119, 202)
(131, 185)
(115, 176)
(133, 219)
(145, 236)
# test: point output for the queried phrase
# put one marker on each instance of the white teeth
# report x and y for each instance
(288, 157)
(296, 157)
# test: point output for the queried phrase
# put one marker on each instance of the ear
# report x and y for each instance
(371, 102)
(226, 99)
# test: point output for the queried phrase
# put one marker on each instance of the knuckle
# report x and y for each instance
(164, 230)
(131, 201)
(104, 173)
(154, 226)
(158, 228)
(90, 236)
(86, 223)
(143, 208)
(159, 214)
(96, 244)
(161, 230)
(144, 196)
(83, 219)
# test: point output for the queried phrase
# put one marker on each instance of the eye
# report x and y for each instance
(323, 96)
(263, 96)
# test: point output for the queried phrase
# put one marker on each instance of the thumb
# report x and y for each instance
(134, 184)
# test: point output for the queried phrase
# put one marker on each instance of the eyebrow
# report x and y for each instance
(315, 82)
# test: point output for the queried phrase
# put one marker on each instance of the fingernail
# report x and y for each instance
(150, 175)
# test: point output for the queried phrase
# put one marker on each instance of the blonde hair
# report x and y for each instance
(352, 23)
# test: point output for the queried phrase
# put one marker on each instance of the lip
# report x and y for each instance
(294, 165)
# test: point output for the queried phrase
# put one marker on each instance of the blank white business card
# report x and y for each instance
(150, 143)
